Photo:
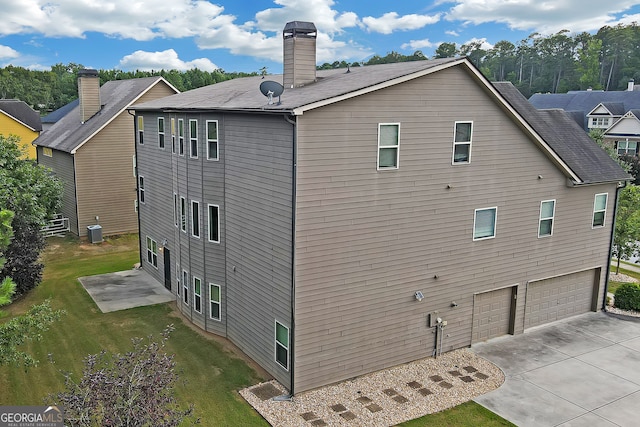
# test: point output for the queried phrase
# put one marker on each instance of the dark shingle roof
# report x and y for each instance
(566, 138)
(69, 133)
(587, 100)
(20, 111)
(615, 108)
(56, 115)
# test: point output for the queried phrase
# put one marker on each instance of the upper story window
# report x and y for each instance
(181, 137)
(183, 214)
(161, 132)
(152, 252)
(195, 218)
(214, 223)
(599, 209)
(140, 129)
(141, 189)
(212, 139)
(388, 145)
(176, 214)
(462, 135)
(173, 135)
(547, 213)
(627, 148)
(484, 223)
(193, 138)
(599, 122)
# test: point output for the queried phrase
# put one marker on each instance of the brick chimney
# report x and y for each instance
(299, 54)
(88, 93)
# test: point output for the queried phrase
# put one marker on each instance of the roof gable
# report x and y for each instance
(68, 134)
(607, 109)
(627, 125)
(21, 113)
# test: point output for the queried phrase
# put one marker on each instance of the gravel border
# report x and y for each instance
(399, 394)
(615, 310)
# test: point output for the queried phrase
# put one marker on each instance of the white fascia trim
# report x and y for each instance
(18, 120)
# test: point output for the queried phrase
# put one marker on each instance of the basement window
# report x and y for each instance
(214, 301)
(282, 345)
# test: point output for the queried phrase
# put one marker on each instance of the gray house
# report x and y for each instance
(90, 146)
(366, 214)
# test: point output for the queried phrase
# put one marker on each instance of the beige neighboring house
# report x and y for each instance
(91, 150)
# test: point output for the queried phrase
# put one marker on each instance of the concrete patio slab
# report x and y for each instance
(633, 344)
(623, 412)
(125, 289)
(588, 420)
(608, 359)
(568, 339)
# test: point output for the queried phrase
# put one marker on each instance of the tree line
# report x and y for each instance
(557, 63)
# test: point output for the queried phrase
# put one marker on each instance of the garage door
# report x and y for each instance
(491, 314)
(559, 297)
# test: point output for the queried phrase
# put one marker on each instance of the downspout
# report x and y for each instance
(135, 153)
(613, 231)
(294, 162)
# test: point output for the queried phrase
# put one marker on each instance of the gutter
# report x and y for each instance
(293, 250)
(613, 232)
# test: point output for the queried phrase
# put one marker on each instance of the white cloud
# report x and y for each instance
(391, 21)
(167, 60)
(545, 17)
(452, 33)
(417, 44)
(8, 53)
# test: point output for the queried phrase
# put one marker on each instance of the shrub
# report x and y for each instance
(627, 296)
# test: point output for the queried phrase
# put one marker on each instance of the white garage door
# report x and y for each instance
(491, 314)
(559, 297)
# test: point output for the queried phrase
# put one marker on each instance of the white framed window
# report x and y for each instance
(183, 214)
(484, 223)
(161, 132)
(214, 301)
(152, 252)
(627, 147)
(462, 136)
(141, 188)
(197, 294)
(140, 130)
(547, 214)
(195, 219)
(135, 165)
(46, 151)
(178, 279)
(176, 213)
(282, 345)
(212, 140)
(173, 135)
(181, 137)
(599, 209)
(185, 287)
(193, 138)
(214, 223)
(599, 122)
(388, 145)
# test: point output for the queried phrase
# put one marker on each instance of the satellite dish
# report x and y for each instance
(269, 88)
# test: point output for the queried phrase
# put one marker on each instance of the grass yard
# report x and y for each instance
(613, 285)
(211, 372)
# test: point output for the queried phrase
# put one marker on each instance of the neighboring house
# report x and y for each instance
(51, 118)
(616, 113)
(327, 233)
(91, 148)
(17, 118)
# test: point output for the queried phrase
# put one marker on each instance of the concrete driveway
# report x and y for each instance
(582, 371)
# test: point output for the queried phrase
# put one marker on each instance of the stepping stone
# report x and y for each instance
(470, 369)
(319, 422)
(374, 408)
(338, 408)
(266, 391)
(425, 391)
(482, 376)
(348, 415)
(467, 379)
(364, 400)
(414, 384)
(400, 399)
(389, 392)
(445, 384)
(455, 373)
(436, 378)
(308, 416)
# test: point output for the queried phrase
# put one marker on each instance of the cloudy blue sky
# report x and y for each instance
(246, 35)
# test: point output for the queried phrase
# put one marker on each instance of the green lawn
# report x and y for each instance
(613, 285)
(211, 370)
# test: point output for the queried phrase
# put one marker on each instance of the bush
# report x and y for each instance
(627, 296)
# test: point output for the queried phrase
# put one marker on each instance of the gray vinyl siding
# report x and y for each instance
(366, 240)
(61, 164)
(258, 189)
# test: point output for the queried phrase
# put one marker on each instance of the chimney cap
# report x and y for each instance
(88, 72)
(299, 28)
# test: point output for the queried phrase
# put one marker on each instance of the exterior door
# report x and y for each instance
(167, 268)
